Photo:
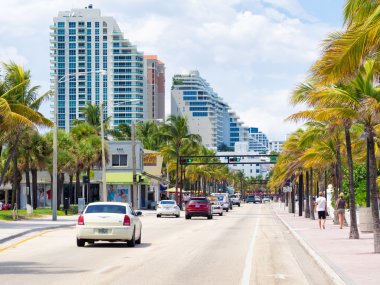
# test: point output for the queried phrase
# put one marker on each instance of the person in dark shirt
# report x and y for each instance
(340, 206)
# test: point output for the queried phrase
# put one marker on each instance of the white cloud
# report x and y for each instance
(12, 54)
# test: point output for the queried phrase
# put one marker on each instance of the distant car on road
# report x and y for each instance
(198, 207)
(216, 208)
(109, 221)
(257, 199)
(235, 199)
(250, 199)
(168, 208)
(266, 200)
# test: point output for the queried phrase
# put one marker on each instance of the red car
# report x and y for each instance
(198, 207)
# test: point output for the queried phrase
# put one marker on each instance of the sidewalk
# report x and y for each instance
(353, 261)
(13, 229)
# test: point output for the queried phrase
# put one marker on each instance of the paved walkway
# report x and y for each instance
(353, 261)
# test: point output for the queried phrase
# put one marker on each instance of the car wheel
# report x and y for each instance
(138, 241)
(177, 216)
(158, 216)
(132, 242)
(239, 205)
(80, 242)
(227, 210)
(187, 217)
(221, 214)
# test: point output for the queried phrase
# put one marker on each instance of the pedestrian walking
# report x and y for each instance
(340, 206)
(321, 208)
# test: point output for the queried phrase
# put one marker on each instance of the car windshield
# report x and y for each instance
(168, 202)
(113, 209)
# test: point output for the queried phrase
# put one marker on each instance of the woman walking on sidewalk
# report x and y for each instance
(340, 205)
(321, 207)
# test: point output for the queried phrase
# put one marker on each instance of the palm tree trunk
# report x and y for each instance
(77, 186)
(354, 232)
(307, 193)
(312, 217)
(34, 186)
(16, 188)
(374, 192)
(71, 192)
(27, 180)
(300, 194)
(6, 165)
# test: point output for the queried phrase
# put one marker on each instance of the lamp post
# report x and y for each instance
(64, 78)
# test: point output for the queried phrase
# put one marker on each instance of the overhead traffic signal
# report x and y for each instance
(234, 159)
(186, 160)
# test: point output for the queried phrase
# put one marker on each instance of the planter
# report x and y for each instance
(366, 221)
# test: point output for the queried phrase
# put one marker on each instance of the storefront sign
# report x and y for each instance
(150, 159)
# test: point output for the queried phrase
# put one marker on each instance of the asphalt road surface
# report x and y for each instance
(248, 245)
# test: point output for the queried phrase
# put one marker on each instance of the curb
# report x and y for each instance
(32, 231)
(316, 257)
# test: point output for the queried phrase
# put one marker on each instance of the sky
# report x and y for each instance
(252, 52)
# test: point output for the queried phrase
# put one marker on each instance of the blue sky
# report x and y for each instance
(252, 52)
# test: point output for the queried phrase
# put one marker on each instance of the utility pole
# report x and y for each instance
(134, 187)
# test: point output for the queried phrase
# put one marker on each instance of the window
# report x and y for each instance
(72, 25)
(119, 160)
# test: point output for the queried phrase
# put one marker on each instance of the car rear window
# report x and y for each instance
(113, 209)
(168, 202)
(199, 200)
(251, 197)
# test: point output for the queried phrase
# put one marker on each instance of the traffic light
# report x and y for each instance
(273, 159)
(234, 159)
(186, 160)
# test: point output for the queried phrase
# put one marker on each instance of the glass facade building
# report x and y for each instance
(208, 115)
(83, 45)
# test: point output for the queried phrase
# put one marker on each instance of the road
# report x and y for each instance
(248, 245)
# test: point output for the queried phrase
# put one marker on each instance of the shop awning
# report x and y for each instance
(125, 178)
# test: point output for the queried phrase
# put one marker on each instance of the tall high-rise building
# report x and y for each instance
(207, 114)
(155, 79)
(83, 43)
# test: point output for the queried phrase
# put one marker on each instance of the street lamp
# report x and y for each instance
(64, 78)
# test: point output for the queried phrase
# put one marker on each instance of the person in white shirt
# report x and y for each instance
(321, 208)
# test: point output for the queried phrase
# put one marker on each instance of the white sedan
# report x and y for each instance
(168, 208)
(217, 208)
(109, 221)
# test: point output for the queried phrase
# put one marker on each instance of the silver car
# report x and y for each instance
(168, 208)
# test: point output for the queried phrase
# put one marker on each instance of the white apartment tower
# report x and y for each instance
(83, 44)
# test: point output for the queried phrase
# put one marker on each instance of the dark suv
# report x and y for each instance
(198, 207)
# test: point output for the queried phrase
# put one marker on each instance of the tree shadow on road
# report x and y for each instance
(10, 267)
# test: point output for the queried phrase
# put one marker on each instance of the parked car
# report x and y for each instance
(109, 221)
(257, 199)
(235, 199)
(168, 208)
(250, 199)
(198, 207)
(216, 208)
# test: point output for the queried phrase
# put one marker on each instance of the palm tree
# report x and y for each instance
(19, 104)
(179, 141)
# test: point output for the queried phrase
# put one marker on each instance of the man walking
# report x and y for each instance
(321, 208)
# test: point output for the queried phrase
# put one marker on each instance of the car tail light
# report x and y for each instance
(127, 221)
(81, 220)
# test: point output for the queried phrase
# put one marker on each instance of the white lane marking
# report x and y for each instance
(248, 259)
(104, 269)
